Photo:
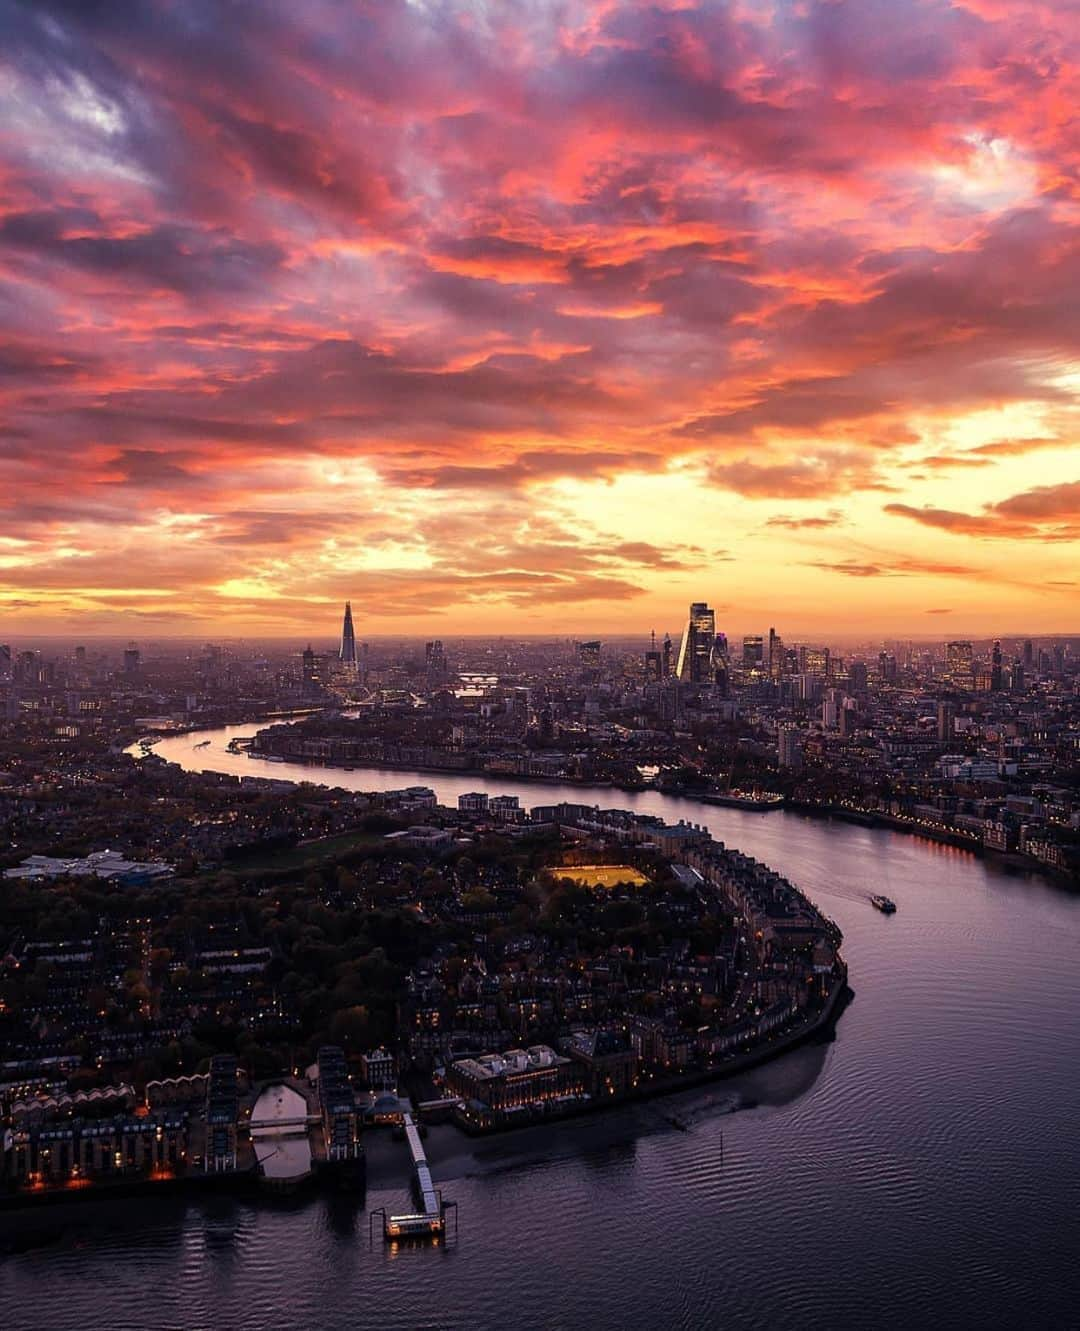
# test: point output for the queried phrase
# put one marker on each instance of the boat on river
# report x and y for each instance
(883, 904)
(756, 801)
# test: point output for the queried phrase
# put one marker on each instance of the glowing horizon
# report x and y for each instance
(539, 318)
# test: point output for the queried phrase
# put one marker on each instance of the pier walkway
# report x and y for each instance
(430, 1220)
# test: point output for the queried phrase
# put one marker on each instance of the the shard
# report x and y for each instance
(348, 639)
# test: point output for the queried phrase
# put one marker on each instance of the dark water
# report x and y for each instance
(923, 1170)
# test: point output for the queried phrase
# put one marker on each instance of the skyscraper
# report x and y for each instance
(775, 656)
(589, 654)
(435, 663)
(815, 661)
(959, 664)
(753, 651)
(790, 746)
(348, 640)
(698, 644)
(314, 671)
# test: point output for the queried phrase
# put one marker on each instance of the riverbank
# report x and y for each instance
(325, 1177)
(941, 835)
(709, 799)
(248, 1183)
(131, 735)
(703, 799)
(445, 769)
(820, 1026)
(576, 792)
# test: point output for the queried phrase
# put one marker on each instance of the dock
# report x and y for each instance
(429, 1222)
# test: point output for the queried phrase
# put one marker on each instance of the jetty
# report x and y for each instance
(429, 1222)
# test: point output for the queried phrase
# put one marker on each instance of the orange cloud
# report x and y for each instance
(1047, 513)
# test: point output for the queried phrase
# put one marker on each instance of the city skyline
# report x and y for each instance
(538, 319)
(539, 663)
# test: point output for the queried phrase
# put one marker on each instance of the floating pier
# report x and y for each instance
(430, 1221)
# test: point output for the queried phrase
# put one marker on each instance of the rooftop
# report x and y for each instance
(278, 1108)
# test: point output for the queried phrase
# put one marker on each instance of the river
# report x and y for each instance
(921, 1170)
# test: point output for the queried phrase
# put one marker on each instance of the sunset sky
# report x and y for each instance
(497, 315)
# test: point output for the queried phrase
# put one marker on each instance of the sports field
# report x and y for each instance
(602, 875)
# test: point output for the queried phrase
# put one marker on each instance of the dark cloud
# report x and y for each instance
(190, 260)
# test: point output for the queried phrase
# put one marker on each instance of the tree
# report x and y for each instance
(350, 1027)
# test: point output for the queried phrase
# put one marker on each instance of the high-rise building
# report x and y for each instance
(669, 657)
(670, 701)
(887, 667)
(958, 655)
(753, 651)
(348, 640)
(338, 1105)
(222, 1114)
(5, 661)
(946, 716)
(775, 655)
(546, 723)
(131, 659)
(698, 646)
(995, 668)
(815, 661)
(790, 746)
(1029, 653)
(959, 663)
(314, 671)
(589, 655)
(808, 688)
(435, 662)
